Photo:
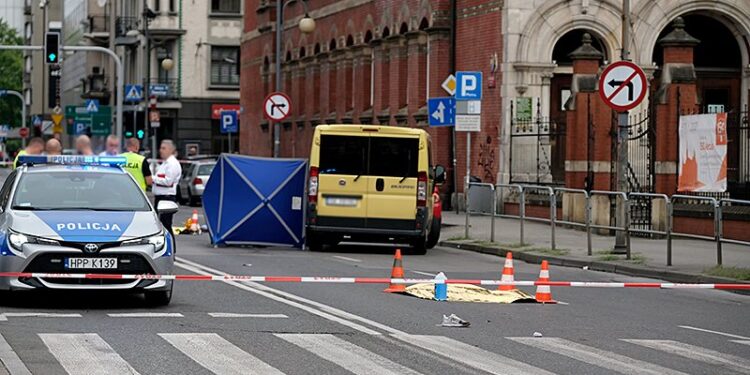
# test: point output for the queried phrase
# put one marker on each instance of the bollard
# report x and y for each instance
(521, 212)
(441, 288)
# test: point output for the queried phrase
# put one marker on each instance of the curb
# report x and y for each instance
(593, 265)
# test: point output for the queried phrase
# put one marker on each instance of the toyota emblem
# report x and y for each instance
(91, 248)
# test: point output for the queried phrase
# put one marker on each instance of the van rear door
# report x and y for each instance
(342, 179)
(392, 188)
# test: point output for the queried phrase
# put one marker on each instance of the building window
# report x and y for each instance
(172, 8)
(224, 66)
(225, 6)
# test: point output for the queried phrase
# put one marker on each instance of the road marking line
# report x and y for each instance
(146, 315)
(236, 315)
(744, 342)
(425, 273)
(85, 354)
(697, 353)
(716, 332)
(217, 355)
(594, 356)
(345, 354)
(472, 356)
(347, 258)
(5, 316)
(283, 297)
(10, 359)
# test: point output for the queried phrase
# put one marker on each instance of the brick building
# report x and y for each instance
(378, 61)
(370, 62)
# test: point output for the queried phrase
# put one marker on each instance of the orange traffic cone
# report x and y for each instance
(396, 273)
(194, 227)
(507, 273)
(543, 292)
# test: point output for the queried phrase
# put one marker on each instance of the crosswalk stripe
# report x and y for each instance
(744, 342)
(472, 356)
(345, 354)
(145, 315)
(697, 353)
(10, 359)
(217, 354)
(240, 315)
(85, 353)
(593, 356)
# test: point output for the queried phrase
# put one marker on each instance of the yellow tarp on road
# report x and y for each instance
(471, 293)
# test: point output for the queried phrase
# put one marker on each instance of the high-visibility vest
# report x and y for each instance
(133, 165)
(20, 153)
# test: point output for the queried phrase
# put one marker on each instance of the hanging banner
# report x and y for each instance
(703, 153)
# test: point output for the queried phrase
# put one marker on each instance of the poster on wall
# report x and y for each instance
(703, 153)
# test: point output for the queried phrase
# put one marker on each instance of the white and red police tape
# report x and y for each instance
(368, 280)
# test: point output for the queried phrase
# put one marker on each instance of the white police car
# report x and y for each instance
(82, 214)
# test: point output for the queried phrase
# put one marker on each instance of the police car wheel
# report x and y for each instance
(159, 298)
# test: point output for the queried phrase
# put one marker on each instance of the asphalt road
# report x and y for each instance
(244, 328)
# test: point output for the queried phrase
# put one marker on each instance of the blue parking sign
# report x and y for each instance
(469, 85)
(229, 123)
(441, 111)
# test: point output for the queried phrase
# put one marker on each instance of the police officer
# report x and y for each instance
(136, 164)
(35, 147)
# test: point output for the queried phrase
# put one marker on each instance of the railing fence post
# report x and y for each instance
(553, 215)
(670, 212)
(466, 202)
(717, 231)
(494, 211)
(522, 211)
(626, 224)
(588, 223)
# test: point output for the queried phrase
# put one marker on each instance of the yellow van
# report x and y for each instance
(372, 183)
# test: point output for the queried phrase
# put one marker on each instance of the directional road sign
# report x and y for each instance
(133, 93)
(158, 89)
(442, 111)
(277, 106)
(229, 123)
(623, 85)
(468, 85)
(92, 105)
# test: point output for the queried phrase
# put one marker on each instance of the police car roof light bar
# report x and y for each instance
(107, 161)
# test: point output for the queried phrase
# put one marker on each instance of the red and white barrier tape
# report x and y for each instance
(368, 280)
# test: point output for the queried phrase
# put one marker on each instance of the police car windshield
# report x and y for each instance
(78, 191)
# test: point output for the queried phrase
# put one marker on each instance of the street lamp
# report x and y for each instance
(167, 64)
(306, 26)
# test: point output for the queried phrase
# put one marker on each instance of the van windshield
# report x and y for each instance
(375, 156)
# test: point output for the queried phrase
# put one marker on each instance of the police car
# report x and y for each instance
(82, 214)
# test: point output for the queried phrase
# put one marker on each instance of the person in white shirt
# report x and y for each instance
(113, 146)
(166, 178)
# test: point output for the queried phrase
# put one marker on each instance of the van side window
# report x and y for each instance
(343, 155)
(394, 157)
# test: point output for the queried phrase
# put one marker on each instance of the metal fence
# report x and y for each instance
(537, 147)
(620, 198)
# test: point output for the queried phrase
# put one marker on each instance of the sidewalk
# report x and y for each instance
(692, 260)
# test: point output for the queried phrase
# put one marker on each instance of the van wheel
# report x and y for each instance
(314, 244)
(434, 236)
(419, 247)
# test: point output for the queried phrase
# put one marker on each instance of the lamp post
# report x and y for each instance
(306, 26)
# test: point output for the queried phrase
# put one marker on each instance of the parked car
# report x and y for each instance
(195, 175)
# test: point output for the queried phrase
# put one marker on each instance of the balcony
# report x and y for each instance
(96, 28)
(165, 88)
(123, 25)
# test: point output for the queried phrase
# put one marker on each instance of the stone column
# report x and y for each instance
(324, 86)
(416, 96)
(588, 139)
(361, 84)
(398, 78)
(677, 93)
(333, 86)
(381, 83)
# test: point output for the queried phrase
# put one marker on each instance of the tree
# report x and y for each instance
(11, 75)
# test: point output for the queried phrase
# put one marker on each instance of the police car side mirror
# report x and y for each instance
(167, 207)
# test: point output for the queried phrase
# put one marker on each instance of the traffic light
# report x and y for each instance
(128, 134)
(52, 48)
(140, 133)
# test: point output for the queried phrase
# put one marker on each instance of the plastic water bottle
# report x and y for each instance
(441, 288)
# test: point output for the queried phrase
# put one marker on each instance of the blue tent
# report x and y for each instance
(256, 201)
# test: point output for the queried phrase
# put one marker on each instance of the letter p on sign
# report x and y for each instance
(469, 86)
(229, 122)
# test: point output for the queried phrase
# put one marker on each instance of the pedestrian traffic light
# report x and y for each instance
(140, 134)
(128, 134)
(52, 48)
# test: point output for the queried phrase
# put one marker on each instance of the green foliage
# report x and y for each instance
(739, 273)
(11, 75)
